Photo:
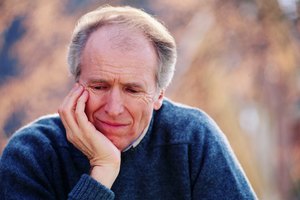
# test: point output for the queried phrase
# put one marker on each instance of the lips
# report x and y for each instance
(116, 124)
(109, 127)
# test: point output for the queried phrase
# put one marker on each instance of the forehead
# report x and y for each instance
(117, 49)
(119, 39)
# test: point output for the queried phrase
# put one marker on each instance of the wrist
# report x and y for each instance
(106, 175)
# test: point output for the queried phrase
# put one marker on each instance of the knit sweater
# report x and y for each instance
(183, 155)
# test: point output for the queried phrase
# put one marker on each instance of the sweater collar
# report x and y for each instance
(144, 136)
(138, 140)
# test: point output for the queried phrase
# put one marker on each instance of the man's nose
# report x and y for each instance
(114, 103)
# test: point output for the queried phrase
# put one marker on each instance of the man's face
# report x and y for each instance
(118, 69)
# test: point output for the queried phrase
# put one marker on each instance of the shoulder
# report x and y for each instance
(32, 146)
(43, 132)
(178, 112)
(186, 124)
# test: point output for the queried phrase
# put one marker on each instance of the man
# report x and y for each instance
(116, 136)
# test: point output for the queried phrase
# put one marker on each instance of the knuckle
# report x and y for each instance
(72, 138)
(69, 137)
(60, 110)
(75, 141)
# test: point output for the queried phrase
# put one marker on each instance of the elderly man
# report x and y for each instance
(116, 136)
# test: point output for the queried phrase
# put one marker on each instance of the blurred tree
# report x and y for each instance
(278, 81)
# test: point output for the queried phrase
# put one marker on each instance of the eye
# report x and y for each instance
(132, 90)
(99, 87)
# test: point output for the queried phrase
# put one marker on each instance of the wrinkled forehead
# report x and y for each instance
(118, 47)
(120, 43)
(122, 37)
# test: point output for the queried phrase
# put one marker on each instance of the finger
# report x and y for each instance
(68, 96)
(71, 99)
(81, 117)
(66, 110)
(71, 93)
(75, 86)
(87, 128)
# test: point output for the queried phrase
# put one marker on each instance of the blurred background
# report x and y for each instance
(238, 61)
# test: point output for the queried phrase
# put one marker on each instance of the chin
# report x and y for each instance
(117, 142)
(120, 146)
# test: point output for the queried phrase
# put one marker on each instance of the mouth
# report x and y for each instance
(111, 126)
(111, 123)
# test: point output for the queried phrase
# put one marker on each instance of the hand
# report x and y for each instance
(104, 157)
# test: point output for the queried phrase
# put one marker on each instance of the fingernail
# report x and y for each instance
(79, 87)
(75, 86)
(85, 92)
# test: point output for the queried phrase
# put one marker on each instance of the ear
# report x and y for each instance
(158, 102)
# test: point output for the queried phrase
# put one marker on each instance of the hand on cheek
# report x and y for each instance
(104, 157)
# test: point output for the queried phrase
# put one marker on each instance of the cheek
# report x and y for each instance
(92, 104)
(146, 100)
(143, 111)
(145, 118)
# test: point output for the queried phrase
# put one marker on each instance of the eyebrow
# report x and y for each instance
(129, 84)
(134, 85)
(97, 81)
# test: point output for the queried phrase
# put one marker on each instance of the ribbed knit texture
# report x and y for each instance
(89, 189)
(184, 155)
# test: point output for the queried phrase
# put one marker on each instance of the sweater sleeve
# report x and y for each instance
(29, 169)
(88, 188)
(217, 172)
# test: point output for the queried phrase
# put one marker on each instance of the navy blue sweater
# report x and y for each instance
(184, 155)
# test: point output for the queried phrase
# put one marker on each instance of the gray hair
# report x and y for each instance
(155, 31)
